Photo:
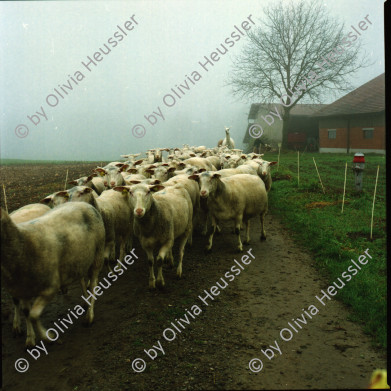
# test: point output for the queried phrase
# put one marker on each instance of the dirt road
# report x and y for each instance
(212, 351)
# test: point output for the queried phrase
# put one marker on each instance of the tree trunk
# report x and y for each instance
(285, 124)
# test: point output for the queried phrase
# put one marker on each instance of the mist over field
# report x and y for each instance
(87, 111)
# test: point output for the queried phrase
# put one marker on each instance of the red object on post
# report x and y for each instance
(358, 158)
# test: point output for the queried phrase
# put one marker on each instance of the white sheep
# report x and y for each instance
(117, 217)
(200, 162)
(96, 183)
(28, 212)
(41, 256)
(160, 217)
(112, 175)
(236, 198)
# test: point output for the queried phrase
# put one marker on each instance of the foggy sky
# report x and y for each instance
(43, 45)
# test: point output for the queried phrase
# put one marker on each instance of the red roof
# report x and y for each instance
(369, 98)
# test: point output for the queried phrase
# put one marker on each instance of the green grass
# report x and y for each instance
(333, 237)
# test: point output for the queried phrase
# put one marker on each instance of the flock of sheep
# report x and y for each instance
(71, 234)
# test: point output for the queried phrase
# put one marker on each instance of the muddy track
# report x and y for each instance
(213, 351)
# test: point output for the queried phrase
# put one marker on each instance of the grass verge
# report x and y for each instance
(335, 238)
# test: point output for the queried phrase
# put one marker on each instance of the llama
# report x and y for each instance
(228, 141)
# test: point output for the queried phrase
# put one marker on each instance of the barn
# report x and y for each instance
(355, 122)
(302, 125)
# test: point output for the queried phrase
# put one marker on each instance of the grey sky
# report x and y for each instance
(42, 43)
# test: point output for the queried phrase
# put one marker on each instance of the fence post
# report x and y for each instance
(373, 203)
(278, 160)
(319, 176)
(344, 187)
(5, 199)
(66, 180)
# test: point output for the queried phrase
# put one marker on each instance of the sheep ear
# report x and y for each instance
(156, 187)
(134, 182)
(64, 194)
(201, 170)
(195, 177)
(181, 165)
(72, 182)
(132, 170)
(101, 171)
(124, 167)
(171, 169)
(165, 165)
(121, 189)
(46, 200)
(156, 182)
(272, 163)
(88, 178)
(87, 190)
(216, 176)
(138, 162)
(149, 171)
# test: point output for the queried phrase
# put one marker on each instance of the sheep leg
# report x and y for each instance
(93, 283)
(190, 238)
(238, 223)
(150, 264)
(171, 259)
(30, 340)
(182, 245)
(213, 230)
(165, 249)
(109, 254)
(16, 329)
(247, 224)
(122, 249)
(263, 233)
(205, 229)
(203, 217)
(84, 290)
(35, 312)
(129, 244)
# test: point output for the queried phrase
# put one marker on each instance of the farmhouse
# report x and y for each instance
(302, 126)
(355, 122)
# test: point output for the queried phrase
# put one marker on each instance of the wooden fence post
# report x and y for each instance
(373, 203)
(344, 187)
(319, 176)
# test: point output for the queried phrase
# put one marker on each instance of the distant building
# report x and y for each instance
(300, 122)
(355, 122)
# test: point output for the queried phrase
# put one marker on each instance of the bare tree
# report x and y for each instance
(299, 53)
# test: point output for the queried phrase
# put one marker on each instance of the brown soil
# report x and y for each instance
(322, 204)
(214, 351)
